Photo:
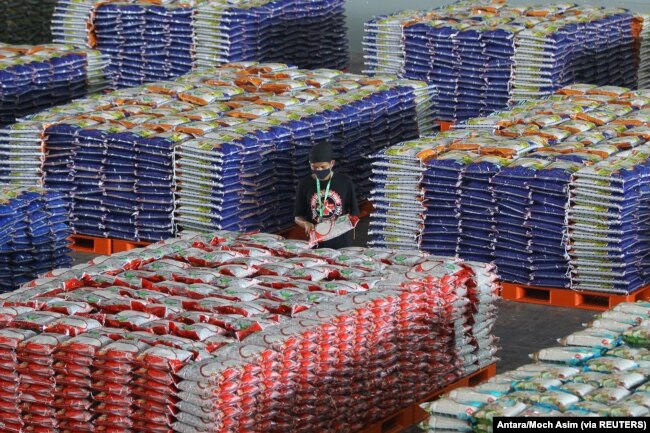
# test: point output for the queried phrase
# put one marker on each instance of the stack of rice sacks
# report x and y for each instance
(601, 371)
(443, 211)
(382, 42)
(35, 77)
(610, 218)
(21, 142)
(356, 123)
(223, 332)
(35, 227)
(114, 154)
(480, 56)
(531, 226)
(26, 21)
(472, 65)
(145, 42)
(154, 42)
(525, 189)
(475, 344)
(644, 51)
(398, 195)
(553, 54)
(307, 35)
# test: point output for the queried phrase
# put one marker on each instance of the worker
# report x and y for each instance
(325, 195)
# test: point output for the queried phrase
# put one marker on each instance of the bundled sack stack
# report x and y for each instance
(305, 34)
(610, 219)
(233, 332)
(552, 191)
(469, 65)
(601, 371)
(26, 21)
(121, 157)
(398, 196)
(589, 45)
(36, 77)
(148, 42)
(33, 234)
(382, 42)
(145, 42)
(480, 56)
(643, 21)
(530, 247)
(213, 174)
(475, 343)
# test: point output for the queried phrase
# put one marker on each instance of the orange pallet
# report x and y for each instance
(103, 246)
(90, 244)
(413, 414)
(120, 246)
(445, 126)
(393, 424)
(587, 300)
(473, 379)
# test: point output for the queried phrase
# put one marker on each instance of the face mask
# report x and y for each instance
(322, 174)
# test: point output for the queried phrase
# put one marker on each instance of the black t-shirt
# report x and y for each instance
(342, 199)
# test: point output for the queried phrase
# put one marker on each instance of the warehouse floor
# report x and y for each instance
(522, 328)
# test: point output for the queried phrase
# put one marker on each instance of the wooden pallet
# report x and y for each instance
(413, 414)
(102, 246)
(588, 300)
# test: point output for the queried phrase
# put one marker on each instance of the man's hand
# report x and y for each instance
(309, 227)
(306, 225)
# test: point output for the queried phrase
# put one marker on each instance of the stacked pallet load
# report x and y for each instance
(644, 50)
(382, 42)
(218, 148)
(479, 56)
(26, 21)
(33, 237)
(36, 77)
(551, 191)
(161, 338)
(587, 45)
(150, 42)
(601, 371)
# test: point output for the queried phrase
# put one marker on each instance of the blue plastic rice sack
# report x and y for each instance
(33, 235)
(149, 42)
(34, 78)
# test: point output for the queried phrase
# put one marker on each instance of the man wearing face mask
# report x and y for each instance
(325, 195)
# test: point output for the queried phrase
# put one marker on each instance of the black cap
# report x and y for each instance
(322, 152)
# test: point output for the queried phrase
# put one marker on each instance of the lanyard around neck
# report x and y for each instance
(321, 202)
